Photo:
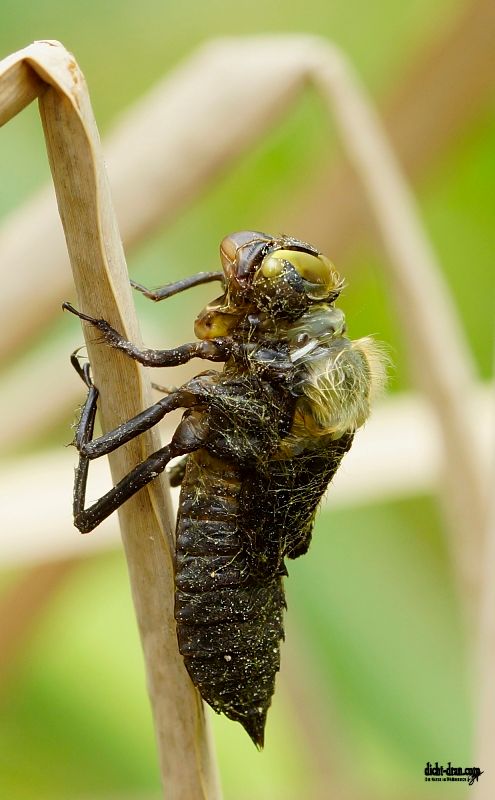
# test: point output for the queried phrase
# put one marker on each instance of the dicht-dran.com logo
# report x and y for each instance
(438, 772)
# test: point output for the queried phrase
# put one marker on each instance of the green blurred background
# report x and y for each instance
(374, 679)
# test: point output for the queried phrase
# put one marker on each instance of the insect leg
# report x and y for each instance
(191, 434)
(212, 349)
(86, 422)
(94, 448)
(178, 286)
(84, 431)
(141, 422)
(85, 519)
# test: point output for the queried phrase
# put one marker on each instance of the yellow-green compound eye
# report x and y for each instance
(271, 266)
(316, 270)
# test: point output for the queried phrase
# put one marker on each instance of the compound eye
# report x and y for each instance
(272, 266)
(317, 272)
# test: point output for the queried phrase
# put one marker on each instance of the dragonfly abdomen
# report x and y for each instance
(229, 618)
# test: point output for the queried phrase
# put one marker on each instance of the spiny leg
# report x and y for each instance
(85, 426)
(94, 448)
(214, 349)
(85, 519)
(182, 398)
(190, 435)
(274, 363)
(84, 433)
(178, 286)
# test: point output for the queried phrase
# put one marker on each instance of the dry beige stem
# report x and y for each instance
(103, 290)
(485, 666)
(485, 671)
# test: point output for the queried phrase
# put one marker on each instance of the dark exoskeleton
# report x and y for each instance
(261, 440)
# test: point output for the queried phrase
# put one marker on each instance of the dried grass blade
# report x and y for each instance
(102, 285)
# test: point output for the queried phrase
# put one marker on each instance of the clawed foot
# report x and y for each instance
(110, 335)
(84, 370)
(69, 307)
(149, 293)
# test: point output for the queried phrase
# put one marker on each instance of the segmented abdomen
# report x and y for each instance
(229, 616)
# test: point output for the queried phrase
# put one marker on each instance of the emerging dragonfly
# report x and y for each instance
(260, 442)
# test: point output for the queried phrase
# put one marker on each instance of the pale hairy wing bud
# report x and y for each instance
(342, 386)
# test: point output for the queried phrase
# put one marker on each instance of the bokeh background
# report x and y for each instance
(376, 669)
